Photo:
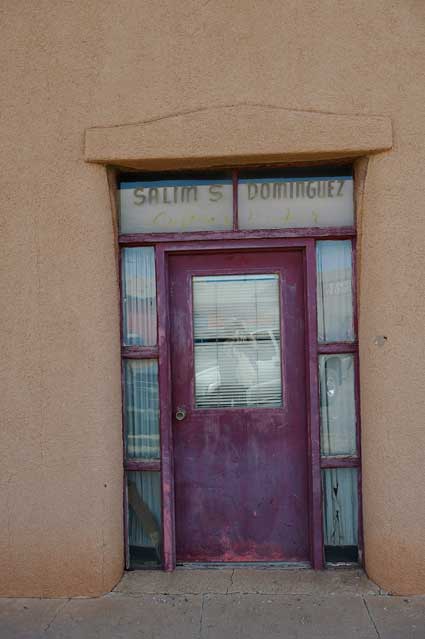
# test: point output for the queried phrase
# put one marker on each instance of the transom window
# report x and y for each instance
(238, 202)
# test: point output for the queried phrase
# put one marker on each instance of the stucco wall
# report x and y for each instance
(75, 65)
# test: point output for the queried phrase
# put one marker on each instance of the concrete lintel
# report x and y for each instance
(235, 135)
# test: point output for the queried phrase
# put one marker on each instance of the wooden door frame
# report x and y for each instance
(163, 251)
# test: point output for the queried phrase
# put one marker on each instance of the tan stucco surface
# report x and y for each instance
(71, 67)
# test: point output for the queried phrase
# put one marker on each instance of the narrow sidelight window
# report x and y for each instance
(338, 379)
(143, 519)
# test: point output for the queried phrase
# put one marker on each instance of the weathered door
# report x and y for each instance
(239, 406)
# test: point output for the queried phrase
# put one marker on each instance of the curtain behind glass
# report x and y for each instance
(337, 405)
(141, 408)
(144, 514)
(139, 296)
(334, 291)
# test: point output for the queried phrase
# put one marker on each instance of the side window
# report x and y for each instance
(338, 377)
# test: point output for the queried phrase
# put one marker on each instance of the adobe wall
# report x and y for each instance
(72, 66)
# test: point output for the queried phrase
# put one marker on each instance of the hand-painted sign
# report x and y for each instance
(274, 203)
(166, 206)
(177, 205)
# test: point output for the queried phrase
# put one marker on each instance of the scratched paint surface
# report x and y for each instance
(241, 473)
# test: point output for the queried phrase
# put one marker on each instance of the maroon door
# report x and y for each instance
(239, 406)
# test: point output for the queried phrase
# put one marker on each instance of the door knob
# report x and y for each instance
(180, 413)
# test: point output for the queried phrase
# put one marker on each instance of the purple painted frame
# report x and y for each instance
(200, 241)
(316, 529)
(163, 250)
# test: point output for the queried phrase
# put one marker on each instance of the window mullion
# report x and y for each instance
(235, 199)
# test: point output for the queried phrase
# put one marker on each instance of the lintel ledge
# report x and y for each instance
(236, 135)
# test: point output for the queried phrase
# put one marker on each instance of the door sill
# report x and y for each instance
(266, 565)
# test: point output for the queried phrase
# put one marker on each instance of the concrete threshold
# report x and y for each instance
(248, 580)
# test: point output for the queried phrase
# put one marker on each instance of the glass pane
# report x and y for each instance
(141, 408)
(165, 206)
(340, 506)
(237, 341)
(275, 203)
(139, 296)
(144, 518)
(334, 291)
(337, 405)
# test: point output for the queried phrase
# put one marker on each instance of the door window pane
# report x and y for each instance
(276, 203)
(144, 518)
(340, 507)
(334, 291)
(138, 296)
(337, 405)
(237, 341)
(167, 206)
(141, 408)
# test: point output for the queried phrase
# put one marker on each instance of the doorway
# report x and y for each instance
(240, 368)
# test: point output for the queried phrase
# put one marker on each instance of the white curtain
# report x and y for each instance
(334, 291)
(139, 296)
(141, 408)
(337, 405)
(144, 513)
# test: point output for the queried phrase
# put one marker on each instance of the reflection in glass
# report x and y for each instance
(340, 506)
(144, 518)
(334, 291)
(337, 405)
(141, 408)
(237, 341)
(139, 296)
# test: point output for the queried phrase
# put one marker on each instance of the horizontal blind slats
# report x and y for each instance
(237, 341)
